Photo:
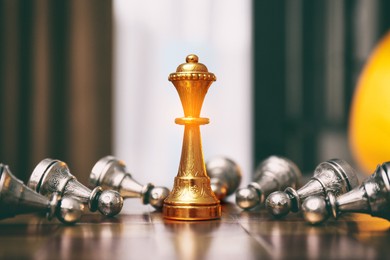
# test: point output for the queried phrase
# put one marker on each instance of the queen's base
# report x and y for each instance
(192, 212)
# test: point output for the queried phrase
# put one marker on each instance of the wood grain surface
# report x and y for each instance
(139, 232)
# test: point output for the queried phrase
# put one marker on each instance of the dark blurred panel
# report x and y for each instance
(269, 78)
(55, 83)
(307, 59)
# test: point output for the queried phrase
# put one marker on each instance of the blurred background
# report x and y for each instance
(83, 79)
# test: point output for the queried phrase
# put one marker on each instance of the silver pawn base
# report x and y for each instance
(51, 176)
(16, 198)
(225, 176)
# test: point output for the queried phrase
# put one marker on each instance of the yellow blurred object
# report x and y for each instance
(369, 126)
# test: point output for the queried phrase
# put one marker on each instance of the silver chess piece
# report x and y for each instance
(109, 172)
(16, 198)
(334, 175)
(371, 197)
(274, 173)
(53, 176)
(225, 176)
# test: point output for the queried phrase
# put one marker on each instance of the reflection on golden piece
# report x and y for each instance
(191, 197)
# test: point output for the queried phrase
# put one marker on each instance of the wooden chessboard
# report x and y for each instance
(141, 233)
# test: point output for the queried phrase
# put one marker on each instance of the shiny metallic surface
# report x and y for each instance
(54, 202)
(278, 204)
(219, 188)
(110, 203)
(16, 198)
(70, 210)
(281, 170)
(191, 197)
(93, 198)
(53, 176)
(157, 196)
(335, 176)
(273, 174)
(247, 198)
(111, 173)
(331, 203)
(225, 176)
(371, 197)
(314, 210)
(38, 173)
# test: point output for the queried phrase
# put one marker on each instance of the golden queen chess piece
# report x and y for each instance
(191, 197)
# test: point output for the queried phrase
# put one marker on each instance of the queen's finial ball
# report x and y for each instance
(278, 204)
(70, 210)
(157, 196)
(110, 203)
(314, 210)
(247, 198)
(192, 58)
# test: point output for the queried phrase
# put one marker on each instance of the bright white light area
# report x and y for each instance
(151, 39)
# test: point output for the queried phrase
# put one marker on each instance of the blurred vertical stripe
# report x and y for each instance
(308, 56)
(55, 83)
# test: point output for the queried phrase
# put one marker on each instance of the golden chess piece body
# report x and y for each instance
(191, 197)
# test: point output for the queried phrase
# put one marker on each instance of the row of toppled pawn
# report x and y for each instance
(333, 190)
(53, 190)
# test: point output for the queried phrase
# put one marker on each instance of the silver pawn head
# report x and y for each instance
(157, 196)
(314, 210)
(110, 203)
(247, 198)
(70, 210)
(278, 204)
(336, 176)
